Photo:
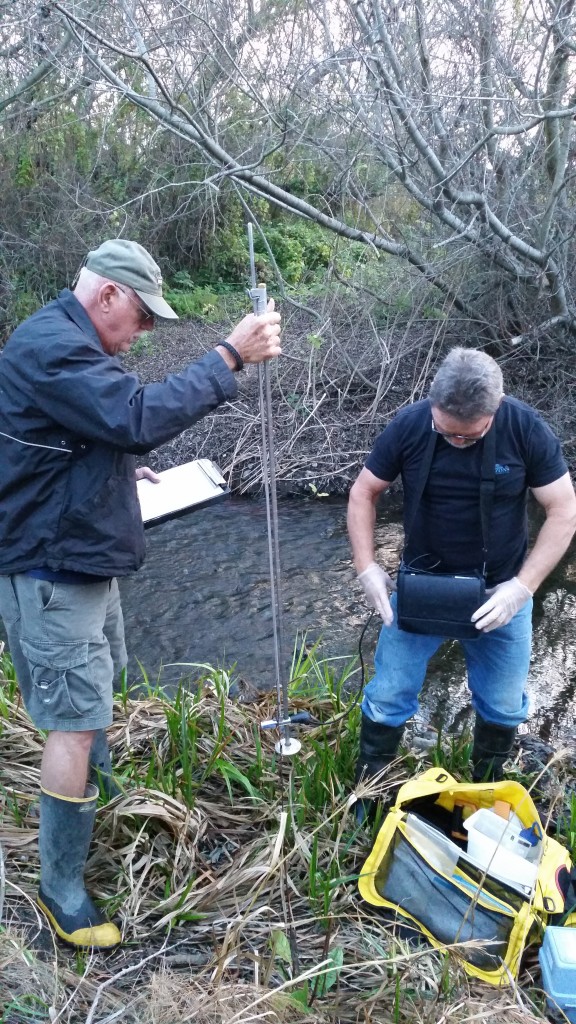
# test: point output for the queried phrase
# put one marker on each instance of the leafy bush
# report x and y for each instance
(300, 249)
(200, 302)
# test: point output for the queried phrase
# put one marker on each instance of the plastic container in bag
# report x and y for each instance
(496, 846)
(558, 963)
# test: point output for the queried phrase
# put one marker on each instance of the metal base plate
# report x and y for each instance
(287, 747)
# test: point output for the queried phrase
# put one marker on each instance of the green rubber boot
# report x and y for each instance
(492, 747)
(100, 766)
(65, 832)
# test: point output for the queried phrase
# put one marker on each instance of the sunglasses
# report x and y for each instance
(469, 438)
(146, 315)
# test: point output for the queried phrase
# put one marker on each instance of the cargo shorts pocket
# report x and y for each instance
(61, 687)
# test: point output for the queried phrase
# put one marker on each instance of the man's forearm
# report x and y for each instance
(551, 543)
(361, 522)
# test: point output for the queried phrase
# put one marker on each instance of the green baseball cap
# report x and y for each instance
(129, 263)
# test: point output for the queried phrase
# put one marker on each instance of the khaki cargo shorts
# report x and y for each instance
(67, 644)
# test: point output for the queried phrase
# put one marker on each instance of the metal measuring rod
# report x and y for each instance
(287, 744)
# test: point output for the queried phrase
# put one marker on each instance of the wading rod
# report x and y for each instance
(287, 745)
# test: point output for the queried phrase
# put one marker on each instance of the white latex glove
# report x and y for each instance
(377, 584)
(503, 602)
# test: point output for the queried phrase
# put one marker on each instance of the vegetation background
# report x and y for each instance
(409, 168)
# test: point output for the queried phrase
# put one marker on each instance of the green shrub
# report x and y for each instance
(200, 302)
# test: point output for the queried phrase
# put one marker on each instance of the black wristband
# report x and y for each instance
(233, 352)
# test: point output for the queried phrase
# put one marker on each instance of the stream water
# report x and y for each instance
(203, 597)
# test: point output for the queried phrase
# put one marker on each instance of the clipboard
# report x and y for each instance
(181, 490)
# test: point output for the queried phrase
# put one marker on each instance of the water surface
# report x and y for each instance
(203, 596)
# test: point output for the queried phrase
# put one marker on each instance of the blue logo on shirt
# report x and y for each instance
(501, 469)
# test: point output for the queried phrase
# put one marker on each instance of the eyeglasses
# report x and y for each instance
(469, 438)
(146, 315)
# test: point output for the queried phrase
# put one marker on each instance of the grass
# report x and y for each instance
(568, 825)
(232, 873)
(144, 346)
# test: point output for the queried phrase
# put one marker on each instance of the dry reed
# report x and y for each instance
(235, 906)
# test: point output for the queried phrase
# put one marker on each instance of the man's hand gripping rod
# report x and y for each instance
(286, 745)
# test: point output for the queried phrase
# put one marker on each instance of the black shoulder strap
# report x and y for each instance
(423, 475)
(487, 478)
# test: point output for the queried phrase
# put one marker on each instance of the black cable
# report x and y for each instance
(305, 718)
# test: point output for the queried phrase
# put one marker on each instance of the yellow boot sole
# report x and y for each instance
(98, 936)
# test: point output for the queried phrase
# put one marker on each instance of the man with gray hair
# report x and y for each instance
(72, 419)
(439, 447)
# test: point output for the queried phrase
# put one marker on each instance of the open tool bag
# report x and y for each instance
(420, 868)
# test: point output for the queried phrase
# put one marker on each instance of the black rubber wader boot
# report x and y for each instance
(66, 825)
(378, 748)
(100, 766)
(492, 747)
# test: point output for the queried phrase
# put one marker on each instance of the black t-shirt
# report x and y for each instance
(446, 535)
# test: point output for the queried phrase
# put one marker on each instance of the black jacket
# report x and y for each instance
(71, 420)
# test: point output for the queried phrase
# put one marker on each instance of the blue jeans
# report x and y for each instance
(497, 665)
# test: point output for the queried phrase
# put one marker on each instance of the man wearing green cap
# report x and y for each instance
(72, 419)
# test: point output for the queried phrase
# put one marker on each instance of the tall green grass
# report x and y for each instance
(199, 746)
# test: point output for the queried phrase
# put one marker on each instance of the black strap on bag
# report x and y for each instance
(441, 604)
(566, 881)
(487, 483)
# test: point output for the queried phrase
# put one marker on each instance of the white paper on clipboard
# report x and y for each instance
(181, 489)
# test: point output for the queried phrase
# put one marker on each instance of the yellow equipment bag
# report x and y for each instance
(436, 887)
